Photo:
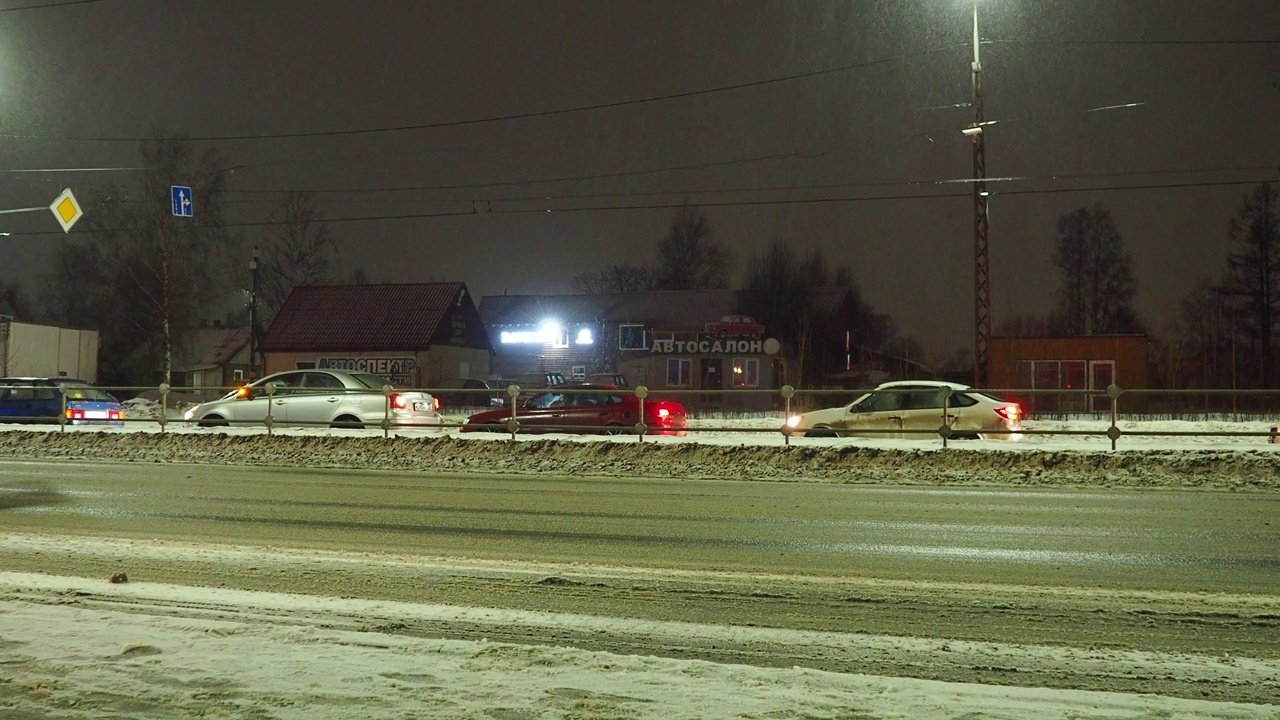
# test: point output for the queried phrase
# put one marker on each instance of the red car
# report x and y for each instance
(584, 408)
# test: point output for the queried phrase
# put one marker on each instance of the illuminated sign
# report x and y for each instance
(584, 337)
(399, 370)
(769, 346)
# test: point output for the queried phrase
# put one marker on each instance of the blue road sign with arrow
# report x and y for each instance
(182, 205)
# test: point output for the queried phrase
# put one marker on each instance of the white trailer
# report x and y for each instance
(29, 350)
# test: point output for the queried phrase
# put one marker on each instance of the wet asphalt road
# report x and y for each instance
(1180, 541)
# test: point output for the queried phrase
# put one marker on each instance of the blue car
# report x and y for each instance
(40, 400)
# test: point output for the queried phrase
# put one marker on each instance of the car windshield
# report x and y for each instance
(84, 392)
(373, 382)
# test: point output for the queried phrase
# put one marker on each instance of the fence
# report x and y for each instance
(399, 408)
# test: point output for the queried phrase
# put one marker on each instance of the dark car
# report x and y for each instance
(44, 400)
(584, 408)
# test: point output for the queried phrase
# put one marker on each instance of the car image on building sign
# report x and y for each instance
(320, 398)
(585, 408)
(913, 409)
(735, 326)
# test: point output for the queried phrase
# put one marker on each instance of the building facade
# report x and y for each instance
(1086, 363)
(691, 346)
(417, 335)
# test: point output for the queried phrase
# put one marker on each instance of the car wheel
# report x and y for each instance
(614, 430)
(212, 421)
(347, 421)
(821, 433)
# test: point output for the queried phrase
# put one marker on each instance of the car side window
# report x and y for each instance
(961, 400)
(547, 400)
(321, 381)
(286, 384)
(923, 400)
(879, 402)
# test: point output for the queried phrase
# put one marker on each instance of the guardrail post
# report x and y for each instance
(62, 416)
(386, 411)
(1114, 392)
(945, 429)
(788, 392)
(164, 405)
(641, 428)
(270, 420)
(513, 392)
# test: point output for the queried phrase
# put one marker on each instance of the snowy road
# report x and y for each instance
(1179, 572)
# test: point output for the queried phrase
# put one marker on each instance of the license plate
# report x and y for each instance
(421, 407)
(95, 414)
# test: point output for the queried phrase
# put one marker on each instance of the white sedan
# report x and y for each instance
(914, 409)
(320, 398)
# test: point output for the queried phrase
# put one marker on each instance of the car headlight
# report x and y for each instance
(189, 414)
(793, 421)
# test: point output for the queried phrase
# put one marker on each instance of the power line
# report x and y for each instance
(728, 203)
(525, 115)
(46, 6)
(1259, 41)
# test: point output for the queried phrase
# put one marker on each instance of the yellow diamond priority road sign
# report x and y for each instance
(66, 210)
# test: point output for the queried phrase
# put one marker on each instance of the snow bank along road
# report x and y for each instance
(1058, 583)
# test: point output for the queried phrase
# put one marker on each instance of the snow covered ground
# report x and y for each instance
(87, 648)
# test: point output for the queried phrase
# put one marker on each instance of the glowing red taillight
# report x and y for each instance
(435, 403)
(663, 412)
(75, 414)
(1009, 412)
(115, 415)
(398, 401)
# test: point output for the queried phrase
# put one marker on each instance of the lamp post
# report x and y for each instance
(982, 276)
(253, 316)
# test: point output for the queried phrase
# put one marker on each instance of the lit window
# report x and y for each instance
(746, 372)
(585, 337)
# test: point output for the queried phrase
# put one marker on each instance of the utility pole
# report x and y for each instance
(981, 269)
(253, 316)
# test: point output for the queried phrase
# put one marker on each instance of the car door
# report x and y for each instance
(922, 413)
(584, 411)
(545, 412)
(315, 402)
(878, 415)
(253, 409)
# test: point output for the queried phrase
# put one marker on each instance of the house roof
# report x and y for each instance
(210, 347)
(665, 309)
(361, 317)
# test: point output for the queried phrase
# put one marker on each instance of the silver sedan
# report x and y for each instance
(320, 398)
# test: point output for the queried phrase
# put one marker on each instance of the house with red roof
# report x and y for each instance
(417, 335)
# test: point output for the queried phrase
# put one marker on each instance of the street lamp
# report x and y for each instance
(981, 272)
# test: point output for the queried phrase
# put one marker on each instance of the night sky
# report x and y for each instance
(870, 115)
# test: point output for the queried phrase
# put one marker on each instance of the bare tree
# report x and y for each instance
(1253, 272)
(617, 278)
(140, 272)
(689, 258)
(1098, 287)
(298, 250)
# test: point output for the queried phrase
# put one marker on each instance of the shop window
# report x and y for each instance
(578, 372)
(746, 372)
(679, 372)
(632, 337)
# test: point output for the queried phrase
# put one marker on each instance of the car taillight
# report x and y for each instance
(1009, 412)
(398, 401)
(435, 403)
(663, 412)
(115, 415)
(75, 414)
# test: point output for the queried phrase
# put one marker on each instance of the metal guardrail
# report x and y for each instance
(789, 396)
